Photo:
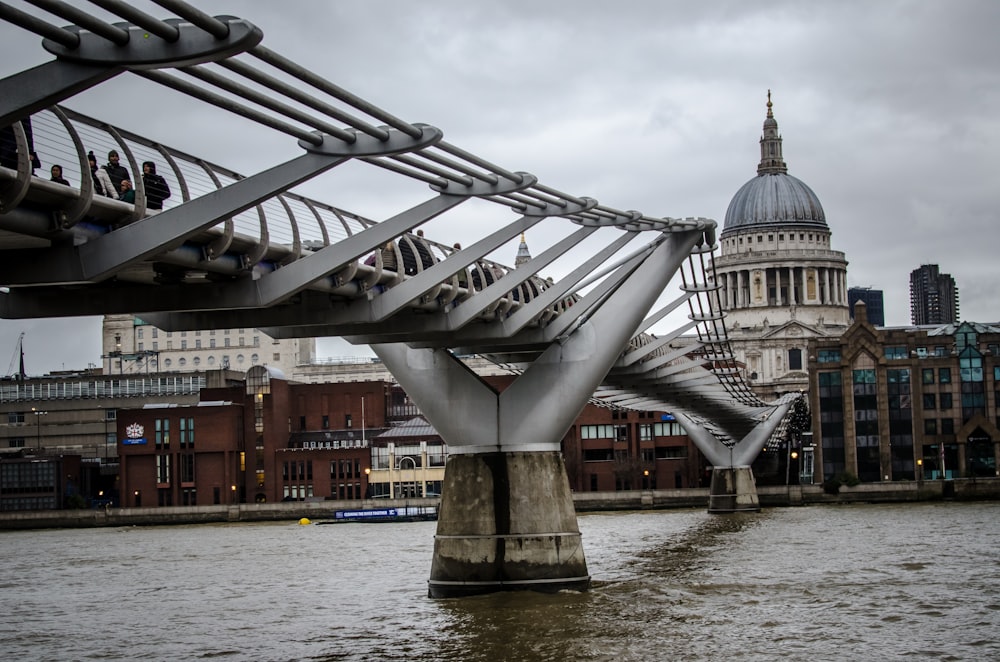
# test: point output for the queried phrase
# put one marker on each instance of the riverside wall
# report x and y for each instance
(966, 489)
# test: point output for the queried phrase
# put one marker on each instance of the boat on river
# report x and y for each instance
(404, 514)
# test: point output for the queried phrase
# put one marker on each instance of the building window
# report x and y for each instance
(895, 353)
(184, 344)
(15, 417)
(187, 433)
(326, 421)
(163, 469)
(161, 427)
(187, 468)
(347, 420)
(197, 344)
(930, 426)
(947, 426)
(795, 359)
(930, 401)
(828, 356)
(944, 375)
(927, 375)
(211, 343)
(945, 400)
(15, 442)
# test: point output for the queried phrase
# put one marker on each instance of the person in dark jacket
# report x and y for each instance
(57, 175)
(8, 146)
(155, 185)
(115, 171)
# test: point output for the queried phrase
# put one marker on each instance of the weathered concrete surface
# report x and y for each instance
(733, 490)
(506, 522)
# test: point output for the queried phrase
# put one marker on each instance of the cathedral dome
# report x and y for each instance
(773, 198)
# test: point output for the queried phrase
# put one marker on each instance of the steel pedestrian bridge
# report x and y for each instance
(230, 250)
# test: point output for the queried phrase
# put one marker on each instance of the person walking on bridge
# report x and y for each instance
(116, 172)
(102, 183)
(57, 175)
(156, 187)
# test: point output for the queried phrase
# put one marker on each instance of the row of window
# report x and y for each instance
(646, 455)
(185, 462)
(620, 432)
(140, 345)
(105, 388)
(161, 433)
(781, 237)
(22, 477)
(942, 426)
(155, 332)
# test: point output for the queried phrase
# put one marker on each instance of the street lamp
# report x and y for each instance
(368, 484)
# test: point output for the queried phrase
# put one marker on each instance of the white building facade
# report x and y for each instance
(131, 346)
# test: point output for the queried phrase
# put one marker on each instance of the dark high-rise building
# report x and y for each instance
(933, 296)
(873, 301)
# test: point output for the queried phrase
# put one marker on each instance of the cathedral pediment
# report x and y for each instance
(792, 330)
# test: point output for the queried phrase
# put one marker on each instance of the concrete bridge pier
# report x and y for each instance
(506, 522)
(733, 490)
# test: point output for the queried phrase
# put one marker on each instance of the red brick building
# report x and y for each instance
(270, 440)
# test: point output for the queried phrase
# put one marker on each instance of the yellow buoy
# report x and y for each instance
(304, 521)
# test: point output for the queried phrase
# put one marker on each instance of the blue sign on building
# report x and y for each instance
(141, 441)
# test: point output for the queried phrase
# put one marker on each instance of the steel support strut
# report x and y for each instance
(733, 486)
(507, 520)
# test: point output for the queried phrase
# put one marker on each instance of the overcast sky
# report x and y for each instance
(890, 112)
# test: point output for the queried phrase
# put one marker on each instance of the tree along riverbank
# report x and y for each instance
(963, 489)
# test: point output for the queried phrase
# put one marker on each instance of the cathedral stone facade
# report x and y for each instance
(781, 282)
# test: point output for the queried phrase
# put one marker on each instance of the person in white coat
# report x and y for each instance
(102, 183)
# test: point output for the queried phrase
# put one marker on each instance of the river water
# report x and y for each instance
(815, 583)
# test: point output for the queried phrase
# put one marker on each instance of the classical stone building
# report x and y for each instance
(782, 282)
(131, 346)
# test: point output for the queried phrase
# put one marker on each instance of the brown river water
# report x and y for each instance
(863, 582)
